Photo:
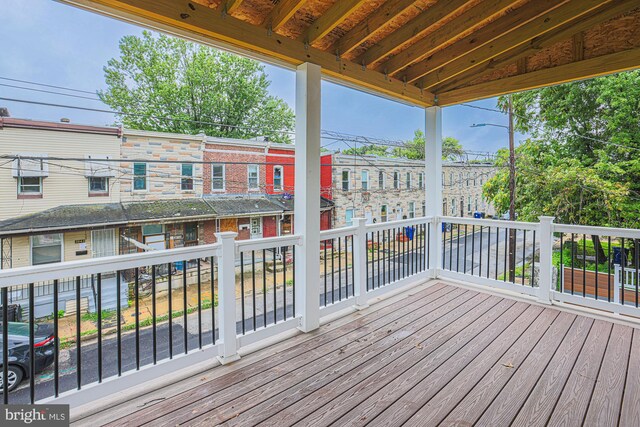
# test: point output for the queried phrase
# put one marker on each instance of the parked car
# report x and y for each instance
(19, 366)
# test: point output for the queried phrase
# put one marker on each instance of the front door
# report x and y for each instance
(256, 227)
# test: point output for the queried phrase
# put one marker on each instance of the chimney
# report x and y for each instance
(4, 112)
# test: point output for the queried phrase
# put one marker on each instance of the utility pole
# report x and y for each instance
(512, 196)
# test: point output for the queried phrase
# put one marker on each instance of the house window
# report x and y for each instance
(277, 178)
(139, 176)
(348, 217)
(469, 204)
(412, 209)
(30, 185)
(191, 234)
(186, 183)
(252, 172)
(460, 179)
(345, 181)
(381, 180)
(450, 179)
(103, 243)
(474, 179)
(476, 203)
(396, 180)
(444, 206)
(217, 177)
(46, 248)
(98, 185)
(442, 179)
(424, 210)
(408, 180)
(453, 207)
(421, 180)
(365, 180)
(383, 213)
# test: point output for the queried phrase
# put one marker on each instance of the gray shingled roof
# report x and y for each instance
(67, 216)
(287, 202)
(114, 214)
(242, 205)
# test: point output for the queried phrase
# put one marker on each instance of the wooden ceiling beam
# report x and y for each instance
(230, 6)
(539, 26)
(208, 26)
(487, 34)
(564, 32)
(330, 19)
(282, 12)
(410, 31)
(472, 18)
(579, 70)
(371, 25)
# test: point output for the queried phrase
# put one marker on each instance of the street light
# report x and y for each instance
(512, 186)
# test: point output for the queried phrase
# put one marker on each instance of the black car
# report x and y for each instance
(19, 366)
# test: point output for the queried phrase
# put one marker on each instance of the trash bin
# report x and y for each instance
(477, 215)
(14, 312)
(618, 257)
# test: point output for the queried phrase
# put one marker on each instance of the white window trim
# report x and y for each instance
(146, 178)
(396, 179)
(182, 176)
(386, 213)
(409, 181)
(381, 182)
(113, 242)
(106, 191)
(61, 248)
(353, 215)
(348, 180)
(257, 187)
(281, 187)
(362, 180)
(26, 193)
(412, 209)
(224, 180)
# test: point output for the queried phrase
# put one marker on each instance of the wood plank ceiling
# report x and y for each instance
(426, 52)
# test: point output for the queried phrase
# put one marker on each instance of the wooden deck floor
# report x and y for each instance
(442, 355)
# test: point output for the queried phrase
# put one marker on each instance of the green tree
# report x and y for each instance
(376, 150)
(168, 84)
(582, 162)
(414, 149)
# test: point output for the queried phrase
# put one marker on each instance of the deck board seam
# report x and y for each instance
(382, 349)
(346, 331)
(474, 358)
(595, 383)
(408, 350)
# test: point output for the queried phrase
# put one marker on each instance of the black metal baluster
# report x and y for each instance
(170, 307)
(395, 254)
(444, 243)
(199, 273)
(637, 264)
(596, 274)
(451, 248)
(32, 352)
(353, 264)
(213, 299)
(533, 261)
(137, 317)
(242, 289)
(293, 279)
(507, 244)
(56, 339)
(339, 269)
(99, 308)
(561, 272)
(458, 248)
(384, 258)
(78, 337)
(428, 243)
(326, 261)
(185, 305)
(333, 283)
(119, 324)
(464, 265)
(608, 269)
(488, 251)
(275, 288)
(5, 348)
(154, 332)
(473, 248)
(623, 261)
(524, 246)
(284, 280)
(253, 286)
(264, 287)
(584, 265)
(573, 249)
(480, 254)
(378, 251)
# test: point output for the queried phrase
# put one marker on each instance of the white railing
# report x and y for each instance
(226, 320)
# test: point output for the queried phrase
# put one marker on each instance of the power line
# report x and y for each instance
(50, 91)
(47, 85)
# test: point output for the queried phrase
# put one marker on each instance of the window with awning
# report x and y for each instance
(30, 165)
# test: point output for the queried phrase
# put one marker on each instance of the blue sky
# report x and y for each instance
(48, 42)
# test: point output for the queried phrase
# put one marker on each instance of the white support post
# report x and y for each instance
(307, 195)
(433, 181)
(360, 263)
(227, 297)
(545, 281)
